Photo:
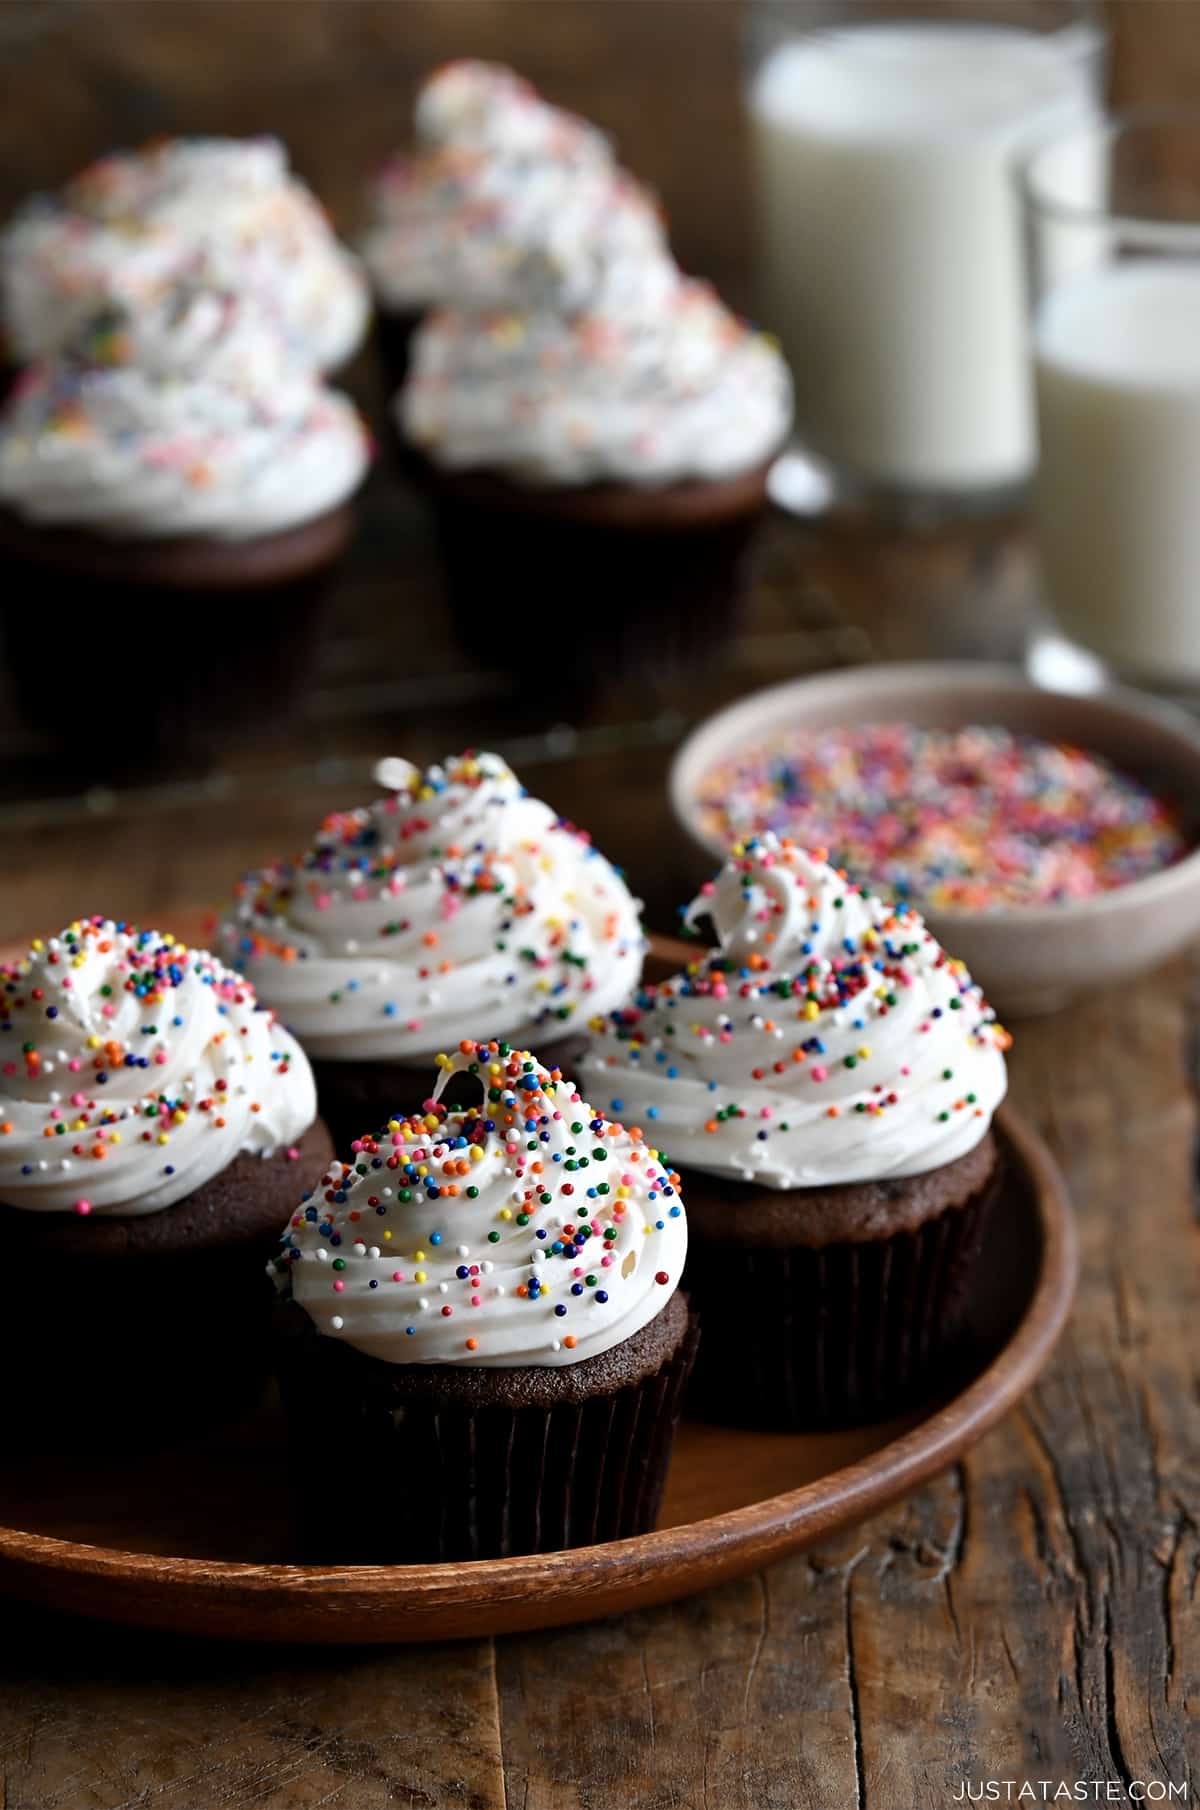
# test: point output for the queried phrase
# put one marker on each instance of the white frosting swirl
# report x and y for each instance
(186, 417)
(829, 1039)
(509, 202)
(133, 1070)
(527, 1230)
(459, 902)
(655, 383)
(489, 106)
(224, 210)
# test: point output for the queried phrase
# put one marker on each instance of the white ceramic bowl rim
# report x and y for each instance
(903, 678)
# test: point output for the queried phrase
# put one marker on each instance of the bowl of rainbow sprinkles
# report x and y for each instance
(1050, 839)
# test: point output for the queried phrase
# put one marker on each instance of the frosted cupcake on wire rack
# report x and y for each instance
(825, 1080)
(177, 462)
(155, 1128)
(455, 900)
(482, 1349)
(506, 202)
(133, 224)
(616, 455)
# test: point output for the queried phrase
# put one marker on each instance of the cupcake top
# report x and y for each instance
(508, 202)
(226, 210)
(133, 1070)
(186, 417)
(524, 1230)
(656, 382)
(828, 1039)
(456, 899)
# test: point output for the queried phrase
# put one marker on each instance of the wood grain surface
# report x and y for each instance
(1032, 1614)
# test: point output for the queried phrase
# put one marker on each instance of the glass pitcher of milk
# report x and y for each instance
(884, 140)
(1116, 332)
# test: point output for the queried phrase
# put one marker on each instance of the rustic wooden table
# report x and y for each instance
(1033, 1614)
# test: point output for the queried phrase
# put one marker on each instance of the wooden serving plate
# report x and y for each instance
(193, 1540)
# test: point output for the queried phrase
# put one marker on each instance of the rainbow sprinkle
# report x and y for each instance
(968, 819)
(367, 1223)
(74, 1119)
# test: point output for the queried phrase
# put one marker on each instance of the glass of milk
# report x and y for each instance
(1116, 330)
(884, 141)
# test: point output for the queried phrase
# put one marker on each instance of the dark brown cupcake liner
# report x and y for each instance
(137, 1355)
(363, 1095)
(242, 625)
(832, 1336)
(656, 604)
(655, 577)
(133, 1333)
(385, 1473)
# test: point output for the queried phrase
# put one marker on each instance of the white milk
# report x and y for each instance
(1118, 494)
(890, 240)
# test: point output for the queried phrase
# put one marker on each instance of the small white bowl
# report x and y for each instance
(1027, 960)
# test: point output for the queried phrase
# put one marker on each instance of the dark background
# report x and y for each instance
(336, 79)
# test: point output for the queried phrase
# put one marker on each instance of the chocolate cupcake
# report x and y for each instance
(481, 1350)
(507, 202)
(575, 410)
(617, 455)
(456, 900)
(825, 1080)
(178, 467)
(131, 226)
(154, 1123)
